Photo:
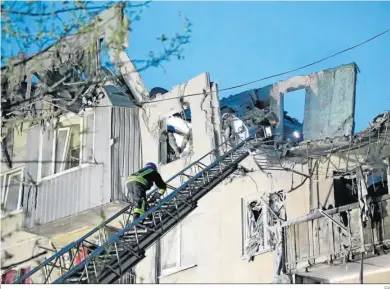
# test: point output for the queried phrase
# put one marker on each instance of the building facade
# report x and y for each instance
(300, 209)
(299, 213)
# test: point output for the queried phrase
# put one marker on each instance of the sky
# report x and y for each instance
(237, 42)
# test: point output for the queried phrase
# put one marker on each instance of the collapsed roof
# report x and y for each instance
(329, 102)
(69, 76)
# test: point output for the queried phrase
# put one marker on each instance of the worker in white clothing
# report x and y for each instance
(234, 129)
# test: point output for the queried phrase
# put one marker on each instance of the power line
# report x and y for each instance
(254, 81)
(283, 73)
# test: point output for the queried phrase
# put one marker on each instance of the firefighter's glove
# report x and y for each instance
(154, 198)
(161, 192)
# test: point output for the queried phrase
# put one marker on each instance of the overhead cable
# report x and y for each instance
(282, 73)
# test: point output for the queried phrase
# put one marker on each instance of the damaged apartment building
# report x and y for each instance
(279, 200)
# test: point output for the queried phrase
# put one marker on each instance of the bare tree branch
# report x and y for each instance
(53, 25)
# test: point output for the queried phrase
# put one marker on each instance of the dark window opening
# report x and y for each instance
(256, 209)
(345, 192)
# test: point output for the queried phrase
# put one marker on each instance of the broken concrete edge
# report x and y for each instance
(322, 119)
(104, 25)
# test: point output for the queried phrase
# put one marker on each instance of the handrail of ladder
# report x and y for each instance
(74, 244)
(120, 233)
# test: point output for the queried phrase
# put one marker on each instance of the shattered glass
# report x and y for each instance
(255, 233)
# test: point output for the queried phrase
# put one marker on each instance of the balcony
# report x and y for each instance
(336, 235)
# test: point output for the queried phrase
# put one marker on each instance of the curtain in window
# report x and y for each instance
(12, 275)
(8, 278)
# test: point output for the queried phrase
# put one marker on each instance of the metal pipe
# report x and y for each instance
(318, 215)
(361, 268)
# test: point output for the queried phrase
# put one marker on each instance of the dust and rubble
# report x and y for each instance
(69, 77)
(330, 99)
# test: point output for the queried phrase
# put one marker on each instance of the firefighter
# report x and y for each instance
(139, 183)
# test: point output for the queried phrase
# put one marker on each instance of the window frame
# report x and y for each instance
(245, 201)
(179, 266)
(5, 190)
(9, 146)
(82, 118)
(66, 148)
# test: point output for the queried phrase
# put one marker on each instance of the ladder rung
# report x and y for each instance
(130, 247)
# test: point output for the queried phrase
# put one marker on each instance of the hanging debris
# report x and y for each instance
(255, 232)
(239, 173)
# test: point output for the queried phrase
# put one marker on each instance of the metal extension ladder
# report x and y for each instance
(115, 255)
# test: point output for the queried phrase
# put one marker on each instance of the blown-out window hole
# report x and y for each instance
(294, 104)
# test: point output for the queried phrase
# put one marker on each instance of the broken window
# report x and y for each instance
(294, 104)
(294, 112)
(254, 228)
(68, 146)
(376, 181)
(12, 191)
(163, 147)
(345, 189)
(259, 223)
(345, 192)
(7, 148)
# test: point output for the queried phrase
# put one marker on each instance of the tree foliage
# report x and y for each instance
(31, 26)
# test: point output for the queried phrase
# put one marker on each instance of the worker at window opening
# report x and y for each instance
(179, 136)
(234, 129)
(187, 140)
(173, 149)
(139, 183)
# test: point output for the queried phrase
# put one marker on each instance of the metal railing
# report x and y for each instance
(325, 236)
(202, 171)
